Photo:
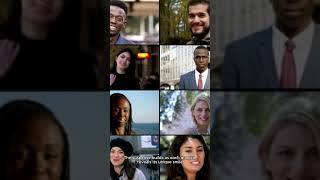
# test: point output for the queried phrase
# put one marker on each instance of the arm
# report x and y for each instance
(229, 71)
(8, 53)
(181, 83)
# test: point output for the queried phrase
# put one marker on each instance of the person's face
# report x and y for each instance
(293, 13)
(41, 12)
(294, 155)
(192, 155)
(201, 59)
(116, 156)
(121, 112)
(199, 20)
(123, 61)
(37, 151)
(201, 113)
(118, 20)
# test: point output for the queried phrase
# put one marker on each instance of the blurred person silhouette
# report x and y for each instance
(121, 115)
(123, 71)
(120, 166)
(284, 55)
(40, 47)
(290, 146)
(35, 143)
(194, 156)
(200, 77)
(118, 21)
(199, 21)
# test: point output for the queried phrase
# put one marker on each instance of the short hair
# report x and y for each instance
(16, 112)
(199, 98)
(199, 47)
(298, 110)
(119, 4)
(196, 2)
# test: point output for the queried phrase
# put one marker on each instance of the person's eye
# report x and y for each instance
(188, 151)
(191, 16)
(202, 15)
(50, 156)
(285, 153)
(22, 154)
(200, 150)
(313, 154)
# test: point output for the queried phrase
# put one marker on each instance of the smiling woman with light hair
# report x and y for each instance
(290, 146)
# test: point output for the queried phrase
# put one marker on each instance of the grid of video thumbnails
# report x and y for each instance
(159, 70)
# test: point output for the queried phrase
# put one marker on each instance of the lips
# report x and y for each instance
(195, 162)
(113, 28)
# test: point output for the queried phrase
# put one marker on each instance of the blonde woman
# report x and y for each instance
(290, 147)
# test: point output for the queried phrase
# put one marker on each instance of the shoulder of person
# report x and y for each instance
(250, 40)
(139, 175)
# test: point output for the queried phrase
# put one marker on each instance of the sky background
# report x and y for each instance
(84, 116)
(145, 105)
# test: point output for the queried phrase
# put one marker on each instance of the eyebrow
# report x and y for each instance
(192, 147)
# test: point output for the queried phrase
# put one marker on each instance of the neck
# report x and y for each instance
(118, 169)
(32, 31)
(201, 70)
(291, 32)
(113, 39)
(120, 130)
(191, 176)
(119, 71)
(203, 129)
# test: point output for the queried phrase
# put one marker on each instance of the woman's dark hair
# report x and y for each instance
(65, 31)
(131, 69)
(175, 171)
(17, 112)
(114, 125)
(128, 167)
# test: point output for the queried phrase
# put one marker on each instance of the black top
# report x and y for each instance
(44, 65)
(124, 81)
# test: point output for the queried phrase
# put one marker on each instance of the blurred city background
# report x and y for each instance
(143, 21)
(175, 61)
(235, 19)
(146, 146)
(147, 69)
(175, 112)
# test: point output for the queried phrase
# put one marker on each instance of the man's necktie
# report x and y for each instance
(288, 77)
(200, 82)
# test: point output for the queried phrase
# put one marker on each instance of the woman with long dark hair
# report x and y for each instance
(120, 166)
(121, 115)
(194, 156)
(40, 47)
(35, 143)
(123, 71)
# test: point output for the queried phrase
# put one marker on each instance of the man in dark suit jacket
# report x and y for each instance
(192, 79)
(257, 61)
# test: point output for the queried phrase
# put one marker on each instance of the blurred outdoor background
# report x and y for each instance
(143, 21)
(173, 22)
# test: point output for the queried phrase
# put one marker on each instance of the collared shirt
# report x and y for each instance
(204, 77)
(203, 41)
(303, 43)
(122, 40)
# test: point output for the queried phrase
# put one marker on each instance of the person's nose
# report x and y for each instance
(196, 19)
(112, 19)
(38, 165)
(298, 168)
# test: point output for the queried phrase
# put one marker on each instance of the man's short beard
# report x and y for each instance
(113, 35)
(201, 35)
